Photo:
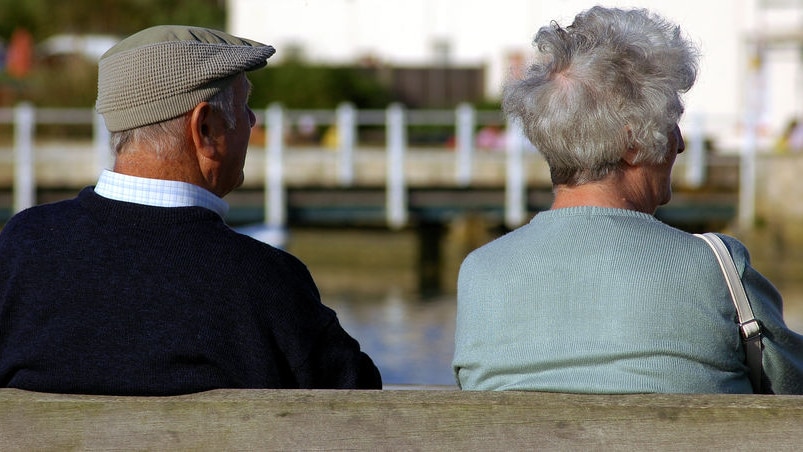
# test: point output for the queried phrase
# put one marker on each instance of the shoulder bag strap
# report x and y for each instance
(748, 325)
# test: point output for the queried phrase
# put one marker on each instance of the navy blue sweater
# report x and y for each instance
(106, 297)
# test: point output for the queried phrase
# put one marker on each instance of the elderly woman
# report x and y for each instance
(596, 295)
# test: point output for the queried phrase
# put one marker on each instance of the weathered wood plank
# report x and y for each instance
(398, 420)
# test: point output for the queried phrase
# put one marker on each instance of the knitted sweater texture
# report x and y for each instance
(597, 300)
(107, 297)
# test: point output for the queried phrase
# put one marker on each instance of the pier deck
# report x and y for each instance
(315, 192)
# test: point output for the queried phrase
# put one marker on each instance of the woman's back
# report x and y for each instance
(599, 300)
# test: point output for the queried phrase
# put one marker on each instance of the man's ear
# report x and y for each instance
(202, 129)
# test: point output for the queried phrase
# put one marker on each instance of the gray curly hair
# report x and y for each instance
(609, 82)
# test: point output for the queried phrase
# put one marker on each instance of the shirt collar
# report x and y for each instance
(158, 192)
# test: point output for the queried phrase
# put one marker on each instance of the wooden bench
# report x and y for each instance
(398, 420)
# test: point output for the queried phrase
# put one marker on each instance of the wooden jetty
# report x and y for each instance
(313, 194)
(427, 192)
(396, 183)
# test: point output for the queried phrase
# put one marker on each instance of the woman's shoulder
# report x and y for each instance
(737, 249)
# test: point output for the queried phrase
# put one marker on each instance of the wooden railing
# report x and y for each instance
(399, 420)
(348, 163)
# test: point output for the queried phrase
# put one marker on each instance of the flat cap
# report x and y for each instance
(163, 72)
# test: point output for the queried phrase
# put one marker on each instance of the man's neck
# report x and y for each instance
(146, 164)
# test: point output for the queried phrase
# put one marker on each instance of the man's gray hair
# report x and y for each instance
(611, 81)
(167, 138)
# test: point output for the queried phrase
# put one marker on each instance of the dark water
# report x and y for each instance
(411, 341)
(369, 278)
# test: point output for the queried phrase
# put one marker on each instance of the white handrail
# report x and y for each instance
(396, 203)
(100, 140)
(24, 178)
(347, 119)
(515, 188)
(465, 119)
(346, 135)
(275, 209)
(696, 152)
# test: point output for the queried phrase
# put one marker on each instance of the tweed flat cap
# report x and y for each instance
(163, 72)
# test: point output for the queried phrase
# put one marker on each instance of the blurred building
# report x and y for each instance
(751, 48)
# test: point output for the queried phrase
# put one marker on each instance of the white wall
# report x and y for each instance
(488, 32)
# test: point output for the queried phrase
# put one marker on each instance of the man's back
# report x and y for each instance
(107, 297)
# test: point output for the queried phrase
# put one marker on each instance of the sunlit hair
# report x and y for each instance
(167, 138)
(609, 82)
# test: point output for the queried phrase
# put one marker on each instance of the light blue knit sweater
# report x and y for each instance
(598, 300)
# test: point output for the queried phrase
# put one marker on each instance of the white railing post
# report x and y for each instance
(101, 144)
(346, 133)
(695, 152)
(24, 177)
(396, 200)
(465, 121)
(747, 163)
(747, 175)
(515, 189)
(275, 209)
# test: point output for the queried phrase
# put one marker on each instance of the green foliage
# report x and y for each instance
(73, 83)
(44, 18)
(297, 85)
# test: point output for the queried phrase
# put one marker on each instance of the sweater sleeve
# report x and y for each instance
(336, 361)
(783, 348)
(322, 355)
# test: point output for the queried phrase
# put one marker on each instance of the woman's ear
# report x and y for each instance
(632, 151)
(202, 129)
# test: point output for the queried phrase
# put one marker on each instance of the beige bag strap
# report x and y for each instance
(748, 325)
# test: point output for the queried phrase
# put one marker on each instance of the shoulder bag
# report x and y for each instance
(748, 325)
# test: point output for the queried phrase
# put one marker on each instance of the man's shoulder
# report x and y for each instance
(43, 212)
(247, 245)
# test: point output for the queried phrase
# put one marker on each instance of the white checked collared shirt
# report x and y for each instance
(157, 192)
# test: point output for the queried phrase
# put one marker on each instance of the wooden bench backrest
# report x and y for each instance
(398, 420)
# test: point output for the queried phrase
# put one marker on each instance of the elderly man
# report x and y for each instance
(137, 286)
